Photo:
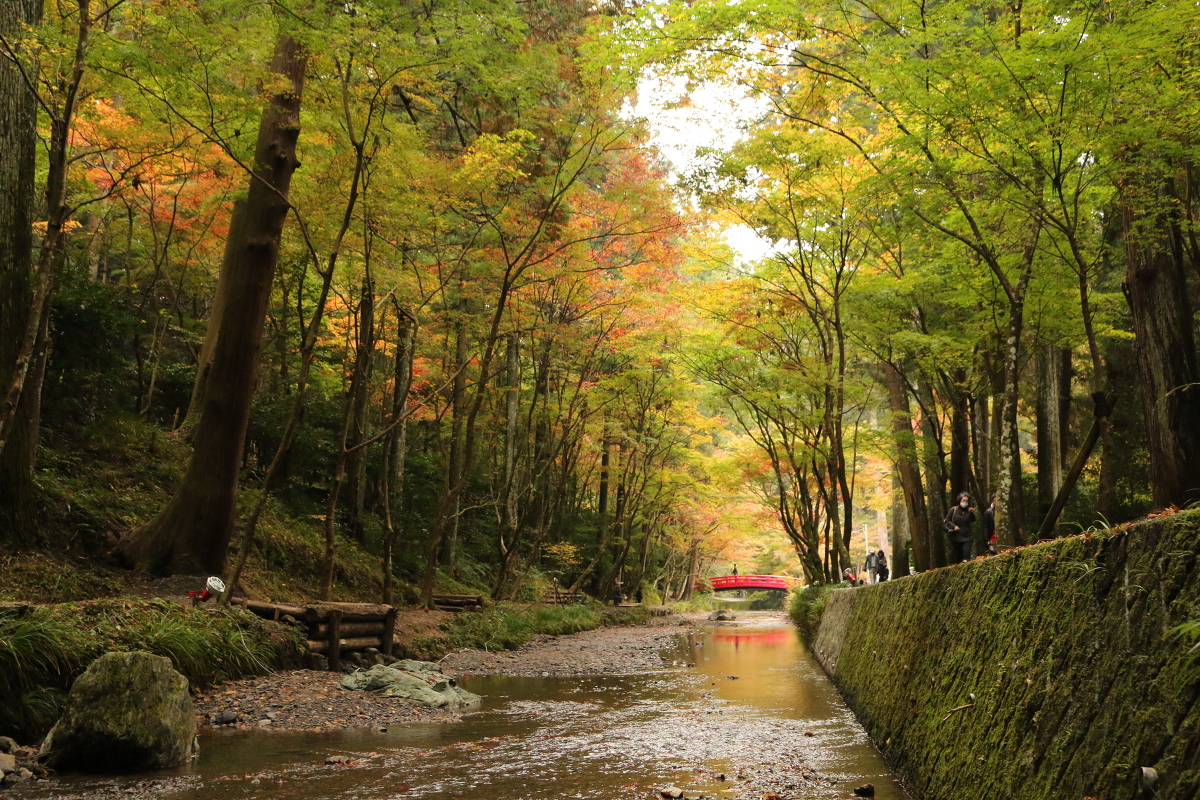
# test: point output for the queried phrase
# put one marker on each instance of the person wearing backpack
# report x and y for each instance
(958, 529)
(869, 566)
(881, 566)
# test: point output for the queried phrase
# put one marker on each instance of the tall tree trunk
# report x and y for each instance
(979, 448)
(900, 538)
(693, 570)
(908, 470)
(396, 449)
(1156, 288)
(510, 535)
(278, 469)
(458, 444)
(192, 533)
(960, 433)
(18, 143)
(934, 462)
(1010, 503)
(1065, 376)
(439, 548)
(1049, 426)
(356, 461)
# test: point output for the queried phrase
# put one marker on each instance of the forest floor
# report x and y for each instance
(303, 700)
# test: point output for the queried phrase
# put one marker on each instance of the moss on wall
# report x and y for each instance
(1073, 651)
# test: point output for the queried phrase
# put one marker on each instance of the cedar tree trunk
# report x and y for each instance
(1156, 287)
(18, 144)
(192, 533)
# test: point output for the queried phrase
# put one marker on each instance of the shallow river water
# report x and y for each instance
(743, 709)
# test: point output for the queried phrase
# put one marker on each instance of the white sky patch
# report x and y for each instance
(748, 245)
(710, 115)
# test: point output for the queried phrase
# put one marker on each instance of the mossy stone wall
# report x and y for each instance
(1071, 649)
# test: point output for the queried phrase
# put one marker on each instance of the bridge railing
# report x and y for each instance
(753, 582)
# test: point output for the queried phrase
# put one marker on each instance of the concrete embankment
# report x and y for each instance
(1063, 670)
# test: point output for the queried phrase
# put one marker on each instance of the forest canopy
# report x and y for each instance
(403, 294)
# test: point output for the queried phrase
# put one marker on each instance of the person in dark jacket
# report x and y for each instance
(958, 528)
(881, 566)
(989, 526)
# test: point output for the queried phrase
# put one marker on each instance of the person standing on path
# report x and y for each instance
(870, 566)
(958, 527)
(881, 566)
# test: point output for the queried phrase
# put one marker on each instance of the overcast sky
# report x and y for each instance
(713, 117)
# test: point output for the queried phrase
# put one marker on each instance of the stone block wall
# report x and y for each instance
(1057, 671)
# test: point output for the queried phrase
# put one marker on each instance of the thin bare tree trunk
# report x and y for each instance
(356, 464)
(899, 529)
(935, 475)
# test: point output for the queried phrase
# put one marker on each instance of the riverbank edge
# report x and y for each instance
(1060, 670)
(43, 648)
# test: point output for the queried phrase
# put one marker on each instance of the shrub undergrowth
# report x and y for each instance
(507, 626)
(805, 607)
(44, 648)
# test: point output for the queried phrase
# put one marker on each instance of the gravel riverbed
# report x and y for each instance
(303, 700)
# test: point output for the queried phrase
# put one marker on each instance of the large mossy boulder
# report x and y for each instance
(127, 712)
(418, 682)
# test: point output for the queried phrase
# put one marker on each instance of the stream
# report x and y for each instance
(755, 710)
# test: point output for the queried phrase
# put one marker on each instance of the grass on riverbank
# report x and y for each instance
(44, 648)
(507, 626)
(806, 605)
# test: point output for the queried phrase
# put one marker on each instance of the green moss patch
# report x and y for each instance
(1053, 671)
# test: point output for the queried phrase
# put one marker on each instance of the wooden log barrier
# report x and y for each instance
(389, 632)
(350, 629)
(358, 612)
(458, 602)
(267, 610)
(563, 598)
(347, 645)
(335, 628)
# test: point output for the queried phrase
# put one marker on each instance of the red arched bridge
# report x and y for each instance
(782, 582)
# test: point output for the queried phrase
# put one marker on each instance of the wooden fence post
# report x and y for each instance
(389, 631)
(335, 640)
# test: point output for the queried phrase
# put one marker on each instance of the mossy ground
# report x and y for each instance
(115, 476)
(1069, 664)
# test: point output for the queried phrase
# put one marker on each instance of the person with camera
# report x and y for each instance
(958, 529)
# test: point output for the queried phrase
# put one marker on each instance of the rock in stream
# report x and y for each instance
(419, 682)
(128, 712)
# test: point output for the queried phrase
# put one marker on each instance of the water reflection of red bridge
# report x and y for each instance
(781, 582)
(768, 638)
